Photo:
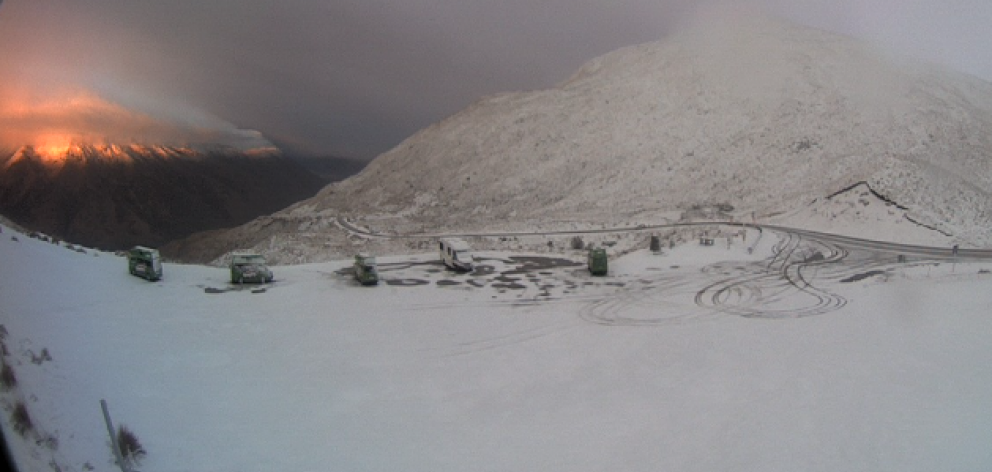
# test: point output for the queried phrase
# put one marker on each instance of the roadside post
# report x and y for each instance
(113, 438)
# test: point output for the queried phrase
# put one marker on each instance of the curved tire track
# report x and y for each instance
(792, 283)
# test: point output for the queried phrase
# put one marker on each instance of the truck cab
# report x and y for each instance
(144, 262)
(249, 267)
(596, 261)
(366, 271)
(456, 254)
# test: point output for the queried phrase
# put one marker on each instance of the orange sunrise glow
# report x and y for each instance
(53, 146)
(54, 127)
(58, 123)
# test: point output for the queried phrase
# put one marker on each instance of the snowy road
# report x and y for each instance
(801, 275)
(793, 274)
(852, 242)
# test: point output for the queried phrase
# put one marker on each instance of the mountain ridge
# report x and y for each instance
(760, 115)
(112, 197)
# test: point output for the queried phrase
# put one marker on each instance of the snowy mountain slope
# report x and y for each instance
(757, 114)
(763, 115)
(435, 371)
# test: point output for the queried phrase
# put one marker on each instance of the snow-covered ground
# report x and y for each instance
(686, 361)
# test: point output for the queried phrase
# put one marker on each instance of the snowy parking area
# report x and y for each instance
(800, 355)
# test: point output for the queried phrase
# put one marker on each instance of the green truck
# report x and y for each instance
(249, 267)
(144, 262)
(366, 272)
(596, 261)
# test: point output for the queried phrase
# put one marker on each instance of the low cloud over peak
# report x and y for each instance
(83, 117)
(356, 78)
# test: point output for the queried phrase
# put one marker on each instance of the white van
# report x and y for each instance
(456, 254)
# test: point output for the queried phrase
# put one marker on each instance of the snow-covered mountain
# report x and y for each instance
(112, 197)
(755, 114)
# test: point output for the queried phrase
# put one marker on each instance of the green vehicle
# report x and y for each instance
(249, 267)
(596, 261)
(366, 271)
(144, 262)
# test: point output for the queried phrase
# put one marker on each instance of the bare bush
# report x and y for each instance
(128, 443)
(20, 419)
(7, 378)
(49, 441)
(577, 243)
(40, 358)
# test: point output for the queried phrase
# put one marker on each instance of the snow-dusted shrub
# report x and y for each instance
(20, 419)
(577, 243)
(7, 378)
(128, 443)
(40, 358)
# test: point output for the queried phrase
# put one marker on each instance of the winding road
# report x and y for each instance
(933, 252)
(803, 275)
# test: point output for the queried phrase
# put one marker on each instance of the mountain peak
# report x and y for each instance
(759, 115)
(57, 155)
(113, 196)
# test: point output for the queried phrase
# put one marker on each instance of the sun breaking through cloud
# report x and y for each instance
(83, 118)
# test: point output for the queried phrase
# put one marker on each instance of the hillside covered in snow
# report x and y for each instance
(758, 116)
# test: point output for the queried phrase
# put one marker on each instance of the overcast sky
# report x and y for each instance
(355, 77)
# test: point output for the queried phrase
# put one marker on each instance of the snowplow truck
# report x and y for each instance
(144, 262)
(366, 272)
(596, 261)
(248, 267)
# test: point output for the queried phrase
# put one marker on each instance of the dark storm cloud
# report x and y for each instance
(354, 78)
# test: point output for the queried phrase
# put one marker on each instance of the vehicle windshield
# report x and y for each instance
(252, 260)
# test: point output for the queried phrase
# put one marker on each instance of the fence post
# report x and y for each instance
(113, 438)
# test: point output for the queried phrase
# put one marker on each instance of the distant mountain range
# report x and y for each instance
(112, 197)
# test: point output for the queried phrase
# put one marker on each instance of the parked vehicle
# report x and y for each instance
(366, 271)
(456, 254)
(144, 262)
(249, 267)
(596, 261)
